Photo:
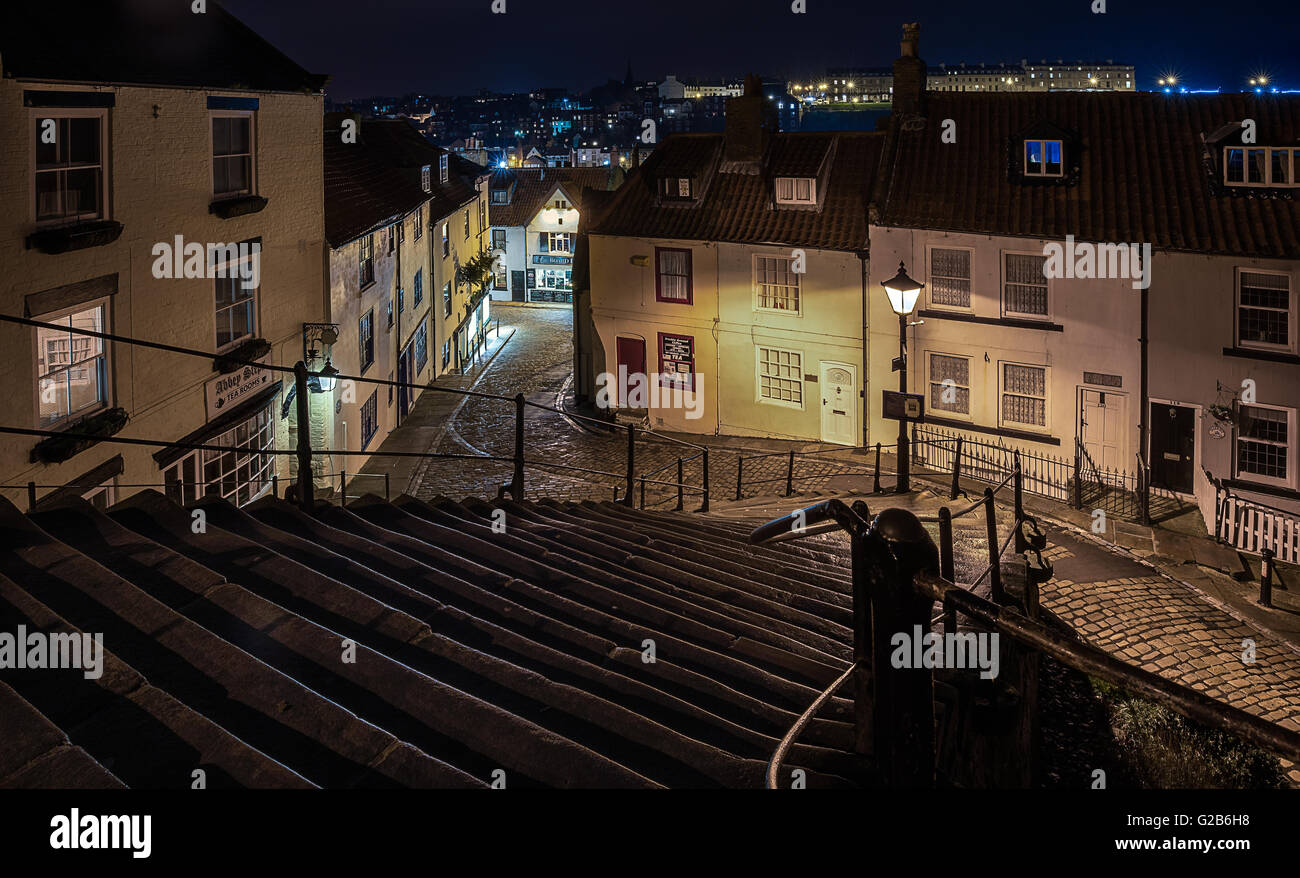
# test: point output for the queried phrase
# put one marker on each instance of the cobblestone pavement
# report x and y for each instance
(538, 362)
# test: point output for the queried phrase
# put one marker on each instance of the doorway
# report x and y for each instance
(403, 377)
(1173, 447)
(1103, 428)
(839, 403)
(631, 361)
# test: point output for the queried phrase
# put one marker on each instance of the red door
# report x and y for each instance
(631, 361)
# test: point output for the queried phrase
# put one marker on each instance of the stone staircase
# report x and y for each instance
(412, 644)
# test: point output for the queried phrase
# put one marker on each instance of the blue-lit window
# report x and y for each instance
(1043, 158)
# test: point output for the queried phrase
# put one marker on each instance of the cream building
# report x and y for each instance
(102, 182)
(732, 268)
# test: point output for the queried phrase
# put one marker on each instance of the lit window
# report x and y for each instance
(796, 190)
(71, 369)
(1265, 311)
(673, 275)
(1024, 289)
(1261, 166)
(1265, 444)
(446, 239)
(1043, 158)
(780, 377)
(950, 277)
(1024, 395)
(675, 187)
(239, 475)
(70, 181)
(776, 284)
(950, 384)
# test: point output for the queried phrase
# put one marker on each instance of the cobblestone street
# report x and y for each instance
(538, 362)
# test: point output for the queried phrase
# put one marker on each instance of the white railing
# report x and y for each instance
(1252, 526)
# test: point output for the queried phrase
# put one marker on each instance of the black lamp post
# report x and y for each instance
(903, 293)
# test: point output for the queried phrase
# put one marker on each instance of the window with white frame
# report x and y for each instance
(1261, 166)
(232, 153)
(72, 369)
(366, 260)
(673, 275)
(443, 171)
(1024, 396)
(950, 384)
(1266, 310)
(446, 239)
(419, 222)
(70, 182)
(1024, 285)
(776, 284)
(426, 178)
(237, 282)
(796, 190)
(446, 299)
(949, 277)
(1043, 158)
(1265, 444)
(780, 377)
(556, 242)
(239, 475)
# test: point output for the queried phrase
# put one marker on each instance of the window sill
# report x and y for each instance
(65, 239)
(1012, 322)
(228, 208)
(1256, 354)
(1261, 488)
(83, 434)
(992, 431)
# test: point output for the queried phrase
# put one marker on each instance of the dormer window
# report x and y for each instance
(500, 196)
(1043, 158)
(796, 190)
(675, 187)
(426, 178)
(1260, 166)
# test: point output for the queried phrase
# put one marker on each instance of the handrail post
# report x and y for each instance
(31, 496)
(1266, 579)
(956, 472)
(1078, 475)
(306, 485)
(517, 480)
(1019, 484)
(995, 560)
(629, 500)
(643, 490)
(343, 488)
(386, 494)
(902, 713)
(789, 475)
(740, 474)
(680, 486)
(947, 563)
(875, 487)
(704, 506)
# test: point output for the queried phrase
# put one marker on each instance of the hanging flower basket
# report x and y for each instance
(1222, 413)
(57, 449)
(250, 351)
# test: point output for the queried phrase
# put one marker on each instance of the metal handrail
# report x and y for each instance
(778, 756)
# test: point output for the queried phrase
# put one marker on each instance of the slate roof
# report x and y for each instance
(1144, 174)
(737, 207)
(143, 42)
(377, 180)
(475, 650)
(534, 185)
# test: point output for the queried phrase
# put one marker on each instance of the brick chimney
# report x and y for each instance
(909, 75)
(750, 123)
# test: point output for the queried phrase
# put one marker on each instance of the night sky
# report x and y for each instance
(458, 47)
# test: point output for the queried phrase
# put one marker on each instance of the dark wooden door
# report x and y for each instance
(631, 361)
(1173, 447)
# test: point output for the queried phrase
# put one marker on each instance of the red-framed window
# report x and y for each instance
(673, 276)
(676, 360)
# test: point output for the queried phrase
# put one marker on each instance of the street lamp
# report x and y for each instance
(326, 376)
(903, 293)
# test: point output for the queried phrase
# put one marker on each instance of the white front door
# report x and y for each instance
(1103, 427)
(839, 403)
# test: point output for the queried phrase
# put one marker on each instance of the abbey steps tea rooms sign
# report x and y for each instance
(227, 391)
